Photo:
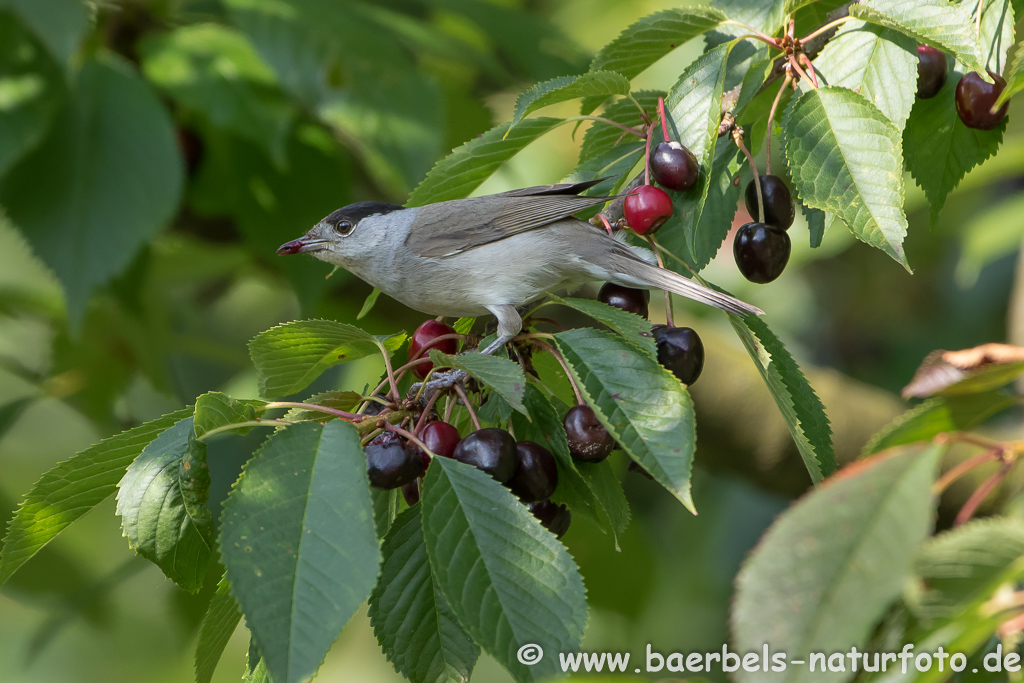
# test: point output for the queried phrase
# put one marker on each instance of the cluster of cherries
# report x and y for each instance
(974, 97)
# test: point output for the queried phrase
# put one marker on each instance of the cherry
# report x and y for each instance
(390, 462)
(589, 441)
(554, 517)
(536, 472)
(674, 166)
(932, 71)
(492, 450)
(440, 437)
(680, 351)
(761, 251)
(974, 100)
(778, 202)
(423, 340)
(647, 209)
(626, 298)
(411, 492)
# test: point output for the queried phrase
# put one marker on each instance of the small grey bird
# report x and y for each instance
(491, 254)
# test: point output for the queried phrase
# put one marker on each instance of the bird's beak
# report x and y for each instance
(299, 246)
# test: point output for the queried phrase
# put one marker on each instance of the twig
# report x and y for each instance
(771, 118)
(249, 423)
(426, 410)
(987, 486)
(737, 136)
(469, 407)
(314, 407)
(964, 467)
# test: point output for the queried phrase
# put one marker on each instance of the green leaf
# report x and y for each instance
(1014, 76)
(162, 504)
(642, 405)
(815, 224)
(468, 166)
(728, 170)
(410, 617)
(255, 665)
(215, 71)
(385, 508)
(594, 84)
(74, 487)
(371, 301)
(694, 104)
(215, 410)
(764, 15)
(632, 327)
(936, 22)
(831, 565)
(506, 578)
(996, 35)
(60, 24)
(800, 406)
(962, 568)
(601, 139)
(290, 356)
(339, 400)
(937, 416)
(611, 499)
(107, 177)
(220, 622)
(877, 62)
(501, 374)
(298, 543)
(649, 39)
(940, 149)
(846, 158)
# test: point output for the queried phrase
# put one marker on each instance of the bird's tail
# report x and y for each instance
(631, 271)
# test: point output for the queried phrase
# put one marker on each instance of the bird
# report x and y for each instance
(490, 254)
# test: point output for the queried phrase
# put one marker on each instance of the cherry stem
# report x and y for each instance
(408, 435)
(370, 437)
(390, 371)
(313, 406)
(669, 318)
(664, 119)
(643, 113)
(423, 385)
(610, 122)
(426, 410)
(771, 119)
(737, 136)
(549, 321)
(977, 17)
(249, 423)
(810, 68)
(469, 406)
(979, 495)
(675, 258)
(607, 225)
(824, 29)
(964, 467)
(647, 159)
(561, 361)
(754, 33)
(448, 409)
(801, 72)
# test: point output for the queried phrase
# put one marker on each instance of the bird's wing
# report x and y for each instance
(448, 228)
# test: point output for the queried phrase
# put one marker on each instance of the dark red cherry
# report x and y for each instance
(761, 251)
(589, 441)
(423, 340)
(411, 492)
(932, 71)
(680, 351)
(440, 437)
(555, 518)
(492, 450)
(674, 166)
(647, 209)
(536, 472)
(626, 298)
(391, 462)
(974, 100)
(778, 202)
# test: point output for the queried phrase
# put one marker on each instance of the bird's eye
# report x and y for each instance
(343, 228)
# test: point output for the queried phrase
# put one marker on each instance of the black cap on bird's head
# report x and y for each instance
(337, 225)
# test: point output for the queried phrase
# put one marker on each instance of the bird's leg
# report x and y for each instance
(509, 325)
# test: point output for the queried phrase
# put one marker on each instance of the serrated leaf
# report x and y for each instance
(815, 224)
(385, 509)
(937, 416)
(215, 410)
(727, 173)
(800, 406)
(219, 623)
(105, 179)
(501, 374)
(593, 84)
(936, 22)
(1014, 75)
(996, 35)
(290, 356)
(764, 15)
(643, 406)
(846, 158)
(694, 104)
(649, 39)
(877, 62)
(506, 578)
(831, 565)
(410, 617)
(940, 149)
(632, 327)
(462, 171)
(162, 504)
(255, 665)
(600, 138)
(71, 489)
(610, 497)
(298, 543)
(963, 567)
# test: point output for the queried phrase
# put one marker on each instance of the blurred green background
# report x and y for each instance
(153, 154)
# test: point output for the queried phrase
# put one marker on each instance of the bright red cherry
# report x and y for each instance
(423, 340)
(647, 209)
(440, 437)
(974, 100)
